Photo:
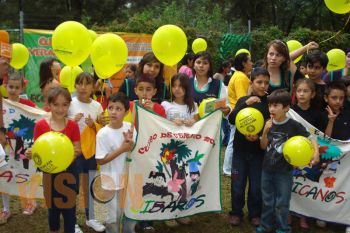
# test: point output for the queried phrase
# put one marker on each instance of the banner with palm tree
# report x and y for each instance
(174, 170)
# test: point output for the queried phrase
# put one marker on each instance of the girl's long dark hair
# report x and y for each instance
(45, 74)
(185, 84)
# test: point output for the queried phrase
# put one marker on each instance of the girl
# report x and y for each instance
(279, 62)
(58, 100)
(182, 110)
(85, 111)
(14, 87)
(131, 71)
(187, 64)
(49, 77)
(203, 85)
(152, 67)
(305, 92)
(248, 158)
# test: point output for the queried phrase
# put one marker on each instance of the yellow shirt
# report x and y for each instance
(237, 87)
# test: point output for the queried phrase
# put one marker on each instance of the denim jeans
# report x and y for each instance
(226, 130)
(229, 152)
(276, 190)
(246, 166)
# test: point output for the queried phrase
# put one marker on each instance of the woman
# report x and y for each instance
(279, 62)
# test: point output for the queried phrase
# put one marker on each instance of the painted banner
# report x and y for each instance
(39, 44)
(322, 191)
(174, 170)
(19, 176)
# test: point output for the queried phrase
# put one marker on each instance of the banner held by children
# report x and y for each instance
(322, 191)
(19, 177)
(174, 170)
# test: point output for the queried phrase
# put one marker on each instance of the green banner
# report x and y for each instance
(39, 46)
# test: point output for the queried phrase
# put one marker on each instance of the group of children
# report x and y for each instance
(257, 157)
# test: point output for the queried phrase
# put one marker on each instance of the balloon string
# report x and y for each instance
(101, 90)
(336, 34)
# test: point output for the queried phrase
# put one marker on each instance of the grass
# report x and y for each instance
(206, 223)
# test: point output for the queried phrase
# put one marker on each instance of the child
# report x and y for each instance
(276, 177)
(5, 213)
(15, 87)
(305, 92)
(145, 89)
(112, 144)
(131, 71)
(336, 119)
(152, 67)
(182, 110)
(247, 161)
(302, 68)
(316, 64)
(85, 111)
(187, 65)
(59, 100)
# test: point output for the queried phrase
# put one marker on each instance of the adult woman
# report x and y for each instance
(279, 62)
(151, 66)
(49, 75)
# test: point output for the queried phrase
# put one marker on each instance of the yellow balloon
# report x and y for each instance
(169, 44)
(298, 151)
(338, 6)
(294, 45)
(249, 121)
(53, 152)
(71, 43)
(203, 109)
(108, 54)
(242, 51)
(336, 59)
(68, 75)
(199, 45)
(128, 117)
(93, 35)
(3, 90)
(20, 56)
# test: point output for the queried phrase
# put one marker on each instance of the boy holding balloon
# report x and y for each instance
(277, 179)
(247, 162)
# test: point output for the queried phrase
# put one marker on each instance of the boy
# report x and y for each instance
(112, 144)
(145, 89)
(277, 179)
(316, 64)
(15, 86)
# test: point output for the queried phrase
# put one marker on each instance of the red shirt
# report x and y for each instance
(27, 102)
(71, 130)
(157, 108)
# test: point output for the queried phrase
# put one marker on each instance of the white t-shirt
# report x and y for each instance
(177, 111)
(93, 109)
(108, 140)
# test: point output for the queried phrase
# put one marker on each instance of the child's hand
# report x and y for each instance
(331, 115)
(102, 119)
(251, 137)
(225, 110)
(89, 122)
(315, 158)
(252, 100)
(78, 116)
(189, 122)
(128, 143)
(312, 45)
(178, 122)
(28, 153)
(268, 126)
(147, 104)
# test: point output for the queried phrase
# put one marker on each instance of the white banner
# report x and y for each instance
(174, 170)
(322, 192)
(19, 176)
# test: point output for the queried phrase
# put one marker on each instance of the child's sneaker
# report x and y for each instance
(96, 225)
(148, 229)
(347, 230)
(4, 216)
(29, 208)
(77, 229)
(303, 223)
(171, 223)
